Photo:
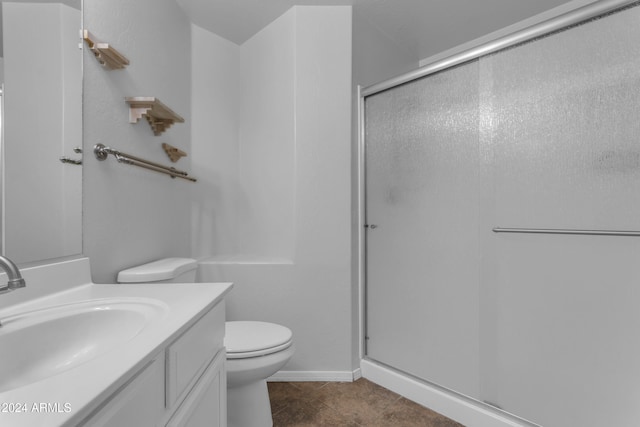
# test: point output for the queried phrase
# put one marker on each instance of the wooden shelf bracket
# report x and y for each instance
(106, 55)
(174, 153)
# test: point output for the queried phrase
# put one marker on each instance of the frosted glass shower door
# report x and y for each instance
(543, 136)
(422, 166)
(560, 313)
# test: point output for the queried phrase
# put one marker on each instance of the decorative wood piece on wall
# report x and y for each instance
(105, 54)
(174, 153)
(159, 116)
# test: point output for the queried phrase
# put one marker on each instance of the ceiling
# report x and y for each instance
(423, 27)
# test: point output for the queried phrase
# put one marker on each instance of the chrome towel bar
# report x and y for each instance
(567, 231)
(102, 152)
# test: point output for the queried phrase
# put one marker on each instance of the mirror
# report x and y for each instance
(41, 121)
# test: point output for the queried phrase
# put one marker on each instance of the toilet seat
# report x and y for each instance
(244, 339)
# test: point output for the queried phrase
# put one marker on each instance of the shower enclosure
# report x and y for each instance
(502, 199)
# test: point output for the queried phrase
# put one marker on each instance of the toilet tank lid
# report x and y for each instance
(162, 269)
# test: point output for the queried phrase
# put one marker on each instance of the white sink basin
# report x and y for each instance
(38, 344)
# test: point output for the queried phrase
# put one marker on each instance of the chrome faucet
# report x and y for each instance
(15, 278)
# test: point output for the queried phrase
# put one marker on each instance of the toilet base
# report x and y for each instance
(248, 405)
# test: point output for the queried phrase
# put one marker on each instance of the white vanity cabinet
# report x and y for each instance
(196, 385)
(139, 403)
(206, 404)
(183, 385)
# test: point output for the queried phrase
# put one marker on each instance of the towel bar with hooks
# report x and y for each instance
(102, 152)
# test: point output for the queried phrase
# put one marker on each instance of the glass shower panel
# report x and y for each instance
(565, 129)
(559, 314)
(422, 241)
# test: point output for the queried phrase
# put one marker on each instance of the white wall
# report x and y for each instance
(215, 128)
(376, 57)
(132, 215)
(510, 29)
(291, 259)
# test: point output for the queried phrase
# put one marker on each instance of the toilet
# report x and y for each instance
(255, 350)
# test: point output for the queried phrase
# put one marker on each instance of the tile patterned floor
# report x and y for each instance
(357, 404)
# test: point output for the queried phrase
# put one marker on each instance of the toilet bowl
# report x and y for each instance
(255, 350)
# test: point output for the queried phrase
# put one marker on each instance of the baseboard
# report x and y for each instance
(466, 411)
(357, 374)
(328, 376)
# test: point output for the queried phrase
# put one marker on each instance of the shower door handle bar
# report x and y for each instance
(567, 231)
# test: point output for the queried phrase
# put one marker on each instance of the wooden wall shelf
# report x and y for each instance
(159, 116)
(106, 55)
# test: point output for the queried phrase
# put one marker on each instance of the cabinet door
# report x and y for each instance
(206, 403)
(190, 354)
(140, 403)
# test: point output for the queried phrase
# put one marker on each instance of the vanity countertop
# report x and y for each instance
(65, 399)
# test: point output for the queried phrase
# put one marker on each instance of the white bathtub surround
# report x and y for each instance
(80, 390)
(276, 199)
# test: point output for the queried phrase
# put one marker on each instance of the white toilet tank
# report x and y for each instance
(166, 270)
